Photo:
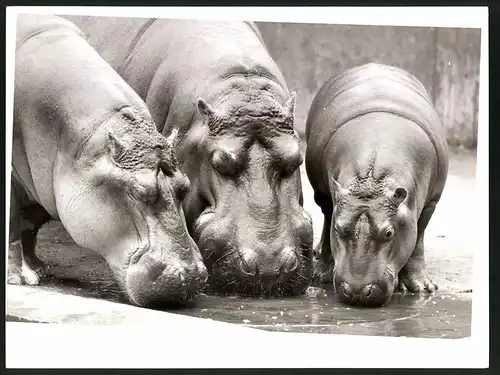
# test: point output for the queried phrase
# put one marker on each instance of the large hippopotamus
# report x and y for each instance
(214, 87)
(86, 151)
(377, 160)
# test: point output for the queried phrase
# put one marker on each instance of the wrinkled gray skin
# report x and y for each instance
(214, 86)
(86, 152)
(377, 160)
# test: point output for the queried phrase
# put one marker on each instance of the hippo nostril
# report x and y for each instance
(182, 277)
(293, 266)
(368, 291)
(248, 262)
(346, 290)
(248, 269)
(373, 293)
(203, 272)
(289, 260)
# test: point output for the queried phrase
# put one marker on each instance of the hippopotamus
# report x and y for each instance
(377, 160)
(213, 87)
(86, 151)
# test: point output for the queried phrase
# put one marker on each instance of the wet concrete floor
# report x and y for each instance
(445, 314)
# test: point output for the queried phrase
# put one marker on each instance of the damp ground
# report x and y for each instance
(445, 314)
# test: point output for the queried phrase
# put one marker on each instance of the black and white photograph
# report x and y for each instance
(247, 180)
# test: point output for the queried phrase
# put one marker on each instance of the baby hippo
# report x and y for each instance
(377, 160)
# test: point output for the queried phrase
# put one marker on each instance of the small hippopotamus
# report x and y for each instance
(214, 87)
(85, 150)
(377, 160)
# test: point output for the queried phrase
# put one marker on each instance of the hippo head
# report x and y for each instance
(245, 206)
(373, 233)
(122, 198)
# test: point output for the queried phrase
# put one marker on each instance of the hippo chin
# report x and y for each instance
(377, 160)
(214, 87)
(86, 152)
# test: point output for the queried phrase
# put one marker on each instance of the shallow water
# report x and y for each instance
(410, 315)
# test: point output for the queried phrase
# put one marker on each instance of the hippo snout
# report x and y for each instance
(276, 269)
(372, 294)
(256, 261)
(156, 279)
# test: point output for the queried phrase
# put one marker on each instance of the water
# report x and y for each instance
(411, 315)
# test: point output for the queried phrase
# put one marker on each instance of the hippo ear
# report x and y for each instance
(338, 189)
(205, 109)
(399, 195)
(289, 106)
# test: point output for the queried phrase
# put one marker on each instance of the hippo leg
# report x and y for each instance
(15, 267)
(35, 217)
(24, 267)
(15, 259)
(413, 276)
(322, 255)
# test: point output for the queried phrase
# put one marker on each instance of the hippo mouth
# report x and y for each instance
(259, 287)
(237, 268)
(157, 281)
(372, 294)
(223, 280)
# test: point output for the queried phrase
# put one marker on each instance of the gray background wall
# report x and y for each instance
(445, 60)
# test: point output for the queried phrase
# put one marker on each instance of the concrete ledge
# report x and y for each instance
(32, 304)
(103, 334)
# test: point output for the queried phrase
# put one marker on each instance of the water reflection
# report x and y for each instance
(319, 311)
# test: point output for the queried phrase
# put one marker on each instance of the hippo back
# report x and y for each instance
(366, 89)
(183, 59)
(103, 33)
(29, 25)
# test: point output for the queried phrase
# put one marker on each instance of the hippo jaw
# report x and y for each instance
(123, 199)
(245, 208)
(373, 234)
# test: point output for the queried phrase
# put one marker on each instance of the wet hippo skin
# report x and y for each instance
(377, 160)
(86, 152)
(214, 88)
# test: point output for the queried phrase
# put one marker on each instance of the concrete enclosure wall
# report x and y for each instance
(445, 60)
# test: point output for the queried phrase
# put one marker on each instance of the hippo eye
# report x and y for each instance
(290, 165)
(147, 193)
(341, 230)
(225, 163)
(388, 234)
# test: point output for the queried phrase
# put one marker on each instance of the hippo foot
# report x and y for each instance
(36, 265)
(416, 282)
(31, 277)
(15, 278)
(322, 270)
(26, 276)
